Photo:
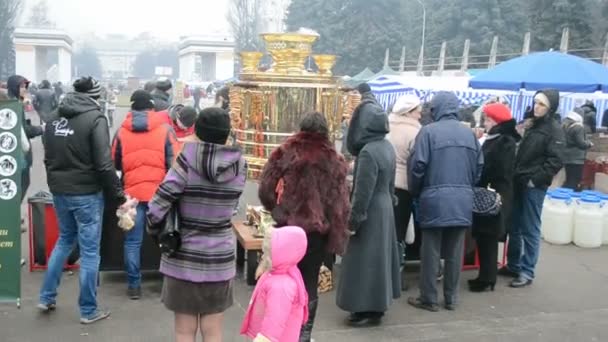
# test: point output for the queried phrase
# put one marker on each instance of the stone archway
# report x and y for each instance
(43, 54)
(205, 59)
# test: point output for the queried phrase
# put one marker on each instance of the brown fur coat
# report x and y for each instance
(315, 194)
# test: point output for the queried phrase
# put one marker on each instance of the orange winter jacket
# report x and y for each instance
(143, 150)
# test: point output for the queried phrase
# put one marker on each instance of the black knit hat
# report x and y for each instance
(213, 125)
(141, 100)
(163, 84)
(187, 116)
(88, 86)
(363, 88)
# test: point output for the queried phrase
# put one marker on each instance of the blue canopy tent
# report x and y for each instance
(541, 70)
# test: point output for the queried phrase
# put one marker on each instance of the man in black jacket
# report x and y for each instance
(538, 160)
(45, 101)
(79, 171)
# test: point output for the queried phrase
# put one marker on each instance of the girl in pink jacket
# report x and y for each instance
(279, 304)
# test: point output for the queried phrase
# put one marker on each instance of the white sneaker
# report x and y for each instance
(97, 316)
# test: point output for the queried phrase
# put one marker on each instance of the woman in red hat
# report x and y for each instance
(499, 157)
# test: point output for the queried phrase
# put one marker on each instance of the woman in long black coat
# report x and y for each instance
(499, 157)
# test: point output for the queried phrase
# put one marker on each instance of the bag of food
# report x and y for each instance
(126, 214)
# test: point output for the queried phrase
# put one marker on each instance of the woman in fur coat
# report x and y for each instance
(304, 184)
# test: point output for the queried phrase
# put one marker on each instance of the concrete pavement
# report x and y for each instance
(567, 302)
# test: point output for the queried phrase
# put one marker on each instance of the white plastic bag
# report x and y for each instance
(126, 214)
(410, 234)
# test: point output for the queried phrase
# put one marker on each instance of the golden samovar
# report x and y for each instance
(266, 106)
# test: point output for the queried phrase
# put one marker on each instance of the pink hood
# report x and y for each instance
(287, 248)
(279, 303)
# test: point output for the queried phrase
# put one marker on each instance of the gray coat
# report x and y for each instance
(445, 165)
(576, 142)
(369, 279)
(45, 103)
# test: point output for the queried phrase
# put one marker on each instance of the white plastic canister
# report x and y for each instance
(588, 222)
(604, 199)
(558, 219)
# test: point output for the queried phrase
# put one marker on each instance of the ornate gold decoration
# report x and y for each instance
(289, 51)
(267, 107)
(250, 60)
(325, 63)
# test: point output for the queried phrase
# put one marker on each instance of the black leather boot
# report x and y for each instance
(306, 332)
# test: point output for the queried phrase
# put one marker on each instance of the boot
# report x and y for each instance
(306, 332)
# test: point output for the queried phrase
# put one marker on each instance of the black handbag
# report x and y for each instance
(167, 233)
(486, 202)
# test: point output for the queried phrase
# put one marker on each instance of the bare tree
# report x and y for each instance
(244, 19)
(9, 11)
(39, 17)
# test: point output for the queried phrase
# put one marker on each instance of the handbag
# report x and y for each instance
(410, 233)
(167, 233)
(486, 202)
(325, 282)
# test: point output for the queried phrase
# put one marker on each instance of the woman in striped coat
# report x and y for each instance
(205, 183)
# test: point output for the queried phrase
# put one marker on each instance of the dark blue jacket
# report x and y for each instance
(444, 167)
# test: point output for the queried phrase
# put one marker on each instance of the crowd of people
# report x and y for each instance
(418, 167)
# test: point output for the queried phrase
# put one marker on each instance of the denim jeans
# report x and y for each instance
(80, 221)
(524, 238)
(132, 247)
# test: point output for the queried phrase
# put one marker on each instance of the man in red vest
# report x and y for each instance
(143, 150)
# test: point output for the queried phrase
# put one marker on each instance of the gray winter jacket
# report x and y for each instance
(576, 142)
(45, 103)
(444, 166)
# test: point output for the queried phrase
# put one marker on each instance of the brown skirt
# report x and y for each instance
(196, 299)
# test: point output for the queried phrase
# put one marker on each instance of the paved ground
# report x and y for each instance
(568, 302)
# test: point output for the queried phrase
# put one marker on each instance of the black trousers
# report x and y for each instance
(574, 175)
(25, 182)
(402, 212)
(311, 263)
(487, 246)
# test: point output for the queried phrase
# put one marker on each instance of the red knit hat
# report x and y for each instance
(498, 112)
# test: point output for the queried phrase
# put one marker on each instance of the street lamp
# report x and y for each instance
(421, 57)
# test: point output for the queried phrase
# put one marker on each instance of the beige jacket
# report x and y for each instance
(402, 135)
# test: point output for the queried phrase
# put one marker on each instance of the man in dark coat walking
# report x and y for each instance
(538, 160)
(444, 166)
(45, 102)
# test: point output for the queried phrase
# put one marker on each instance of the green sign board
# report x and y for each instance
(11, 164)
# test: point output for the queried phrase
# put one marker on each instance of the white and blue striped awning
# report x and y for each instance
(387, 90)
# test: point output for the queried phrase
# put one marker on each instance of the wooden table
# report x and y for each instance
(249, 245)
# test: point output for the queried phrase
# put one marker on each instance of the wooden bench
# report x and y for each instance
(248, 245)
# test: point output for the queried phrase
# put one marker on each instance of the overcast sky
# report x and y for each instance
(166, 19)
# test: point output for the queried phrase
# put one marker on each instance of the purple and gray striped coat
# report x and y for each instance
(206, 182)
